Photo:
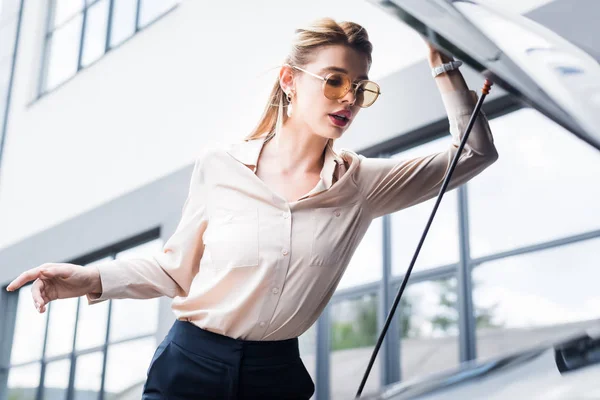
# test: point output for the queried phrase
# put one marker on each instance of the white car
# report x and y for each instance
(546, 72)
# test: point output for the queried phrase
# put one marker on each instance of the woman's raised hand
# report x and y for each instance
(58, 281)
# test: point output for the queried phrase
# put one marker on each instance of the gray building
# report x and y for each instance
(104, 105)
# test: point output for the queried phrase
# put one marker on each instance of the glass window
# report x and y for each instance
(9, 20)
(63, 53)
(5, 69)
(2, 108)
(127, 361)
(541, 188)
(56, 379)
(131, 317)
(123, 21)
(61, 328)
(126, 367)
(9, 10)
(23, 382)
(93, 321)
(366, 264)
(533, 298)
(308, 350)
(428, 319)
(64, 39)
(64, 10)
(8, 38)
(152, 9)
(29, 332)
(441, 244)
(4, 80)
(354, 333)
(88, 376)
(94, 41)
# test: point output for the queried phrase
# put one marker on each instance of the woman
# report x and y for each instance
(270, 224)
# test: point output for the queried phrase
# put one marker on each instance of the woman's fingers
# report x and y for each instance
(36, 293)
(25, 277)
(46, 271)
(58, 271)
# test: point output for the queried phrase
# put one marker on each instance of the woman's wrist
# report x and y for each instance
(96, 282)
(436, 58)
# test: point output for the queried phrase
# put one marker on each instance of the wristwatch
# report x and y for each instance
(440, 69)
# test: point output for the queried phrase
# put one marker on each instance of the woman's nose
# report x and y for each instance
(349, 97)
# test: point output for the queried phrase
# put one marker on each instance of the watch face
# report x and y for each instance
(534, 64)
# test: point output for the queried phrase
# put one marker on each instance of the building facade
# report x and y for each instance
(104, 105)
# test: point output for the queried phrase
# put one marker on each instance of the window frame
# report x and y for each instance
(8, 310)
(50, 29)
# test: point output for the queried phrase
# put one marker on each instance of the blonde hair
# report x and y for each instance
(321, 32)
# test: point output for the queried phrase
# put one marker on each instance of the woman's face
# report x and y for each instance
(310, 106)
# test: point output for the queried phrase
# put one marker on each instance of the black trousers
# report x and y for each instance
(193, 363)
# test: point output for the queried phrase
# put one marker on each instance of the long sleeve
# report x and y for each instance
(390, 185)
(169, 272)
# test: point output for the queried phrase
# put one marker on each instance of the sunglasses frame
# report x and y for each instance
(355, 84)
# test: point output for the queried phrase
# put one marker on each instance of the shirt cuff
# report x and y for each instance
(459, 102)
(111, 278)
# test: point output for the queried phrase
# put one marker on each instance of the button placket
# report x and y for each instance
(278, 282)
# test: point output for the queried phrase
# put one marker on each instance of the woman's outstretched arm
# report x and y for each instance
(390, 185)
(168, 272)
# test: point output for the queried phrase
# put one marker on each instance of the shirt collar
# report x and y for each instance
(247, 153)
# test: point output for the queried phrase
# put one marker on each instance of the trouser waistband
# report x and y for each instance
(228, 349)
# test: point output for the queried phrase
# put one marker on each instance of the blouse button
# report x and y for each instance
(337, 213)
(275, 290)
(285, 215)
(262, 324)
(284, 252)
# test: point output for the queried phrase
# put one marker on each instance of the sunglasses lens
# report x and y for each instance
(367, 93)
(336, 86)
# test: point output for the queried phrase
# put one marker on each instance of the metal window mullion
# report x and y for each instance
(137, 16)
(105, 347)
(390, 356)
(538, 247)
(82, 38)
(443, 272)
(466, 313)
(109, 26)
(73, 358)
(40, 394)
(8, 313)
(67, 21)
(354, 292)
(4, 121)
(322, 385)
(45, 48)
(105, 352)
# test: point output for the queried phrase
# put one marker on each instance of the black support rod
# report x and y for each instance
(484, 92)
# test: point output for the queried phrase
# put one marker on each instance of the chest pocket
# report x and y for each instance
(330, 241)
(232, 237)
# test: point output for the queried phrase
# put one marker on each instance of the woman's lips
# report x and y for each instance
(338, 121)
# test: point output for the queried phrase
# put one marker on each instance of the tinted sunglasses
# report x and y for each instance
(337, 84)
